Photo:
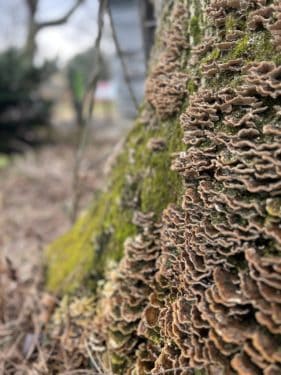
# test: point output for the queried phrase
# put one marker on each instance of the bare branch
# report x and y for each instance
(32, 6)
(61, 20)
(87, 108)
(123, 62)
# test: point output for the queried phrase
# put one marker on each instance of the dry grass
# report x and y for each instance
(30, 343)
(35, 198)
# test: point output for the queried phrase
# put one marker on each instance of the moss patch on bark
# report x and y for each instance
(141, 179)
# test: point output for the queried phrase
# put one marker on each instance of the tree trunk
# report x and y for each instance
(32, 29)
(182, 250)
(148, 24)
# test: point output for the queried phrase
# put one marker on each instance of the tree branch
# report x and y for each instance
(61, 20)
(32, 6)
(87, 110)
(122, 60)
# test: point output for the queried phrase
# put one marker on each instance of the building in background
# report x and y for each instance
(134, 23)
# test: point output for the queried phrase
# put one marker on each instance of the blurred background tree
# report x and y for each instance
(34, 30)
(34, 26)
(79, 69)
(23, 108)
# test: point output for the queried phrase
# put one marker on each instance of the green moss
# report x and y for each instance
(262, 48)
(213, 55)
(160, 180)
(255, 46)
(97, 239)
(196, 23)
(94, 241)
(117, 363)
(241, 48)
(155, 336)
(270, 249)
(4, 161)
(191, 87)
(230, 23)
(199, 372)
(195, 30)
(70, 256)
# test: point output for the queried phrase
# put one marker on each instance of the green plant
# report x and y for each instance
(22, 107)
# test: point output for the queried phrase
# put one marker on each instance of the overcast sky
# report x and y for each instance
(61, 41)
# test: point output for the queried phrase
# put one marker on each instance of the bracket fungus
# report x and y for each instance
(199, 289)
(166, 84)
(212, 295)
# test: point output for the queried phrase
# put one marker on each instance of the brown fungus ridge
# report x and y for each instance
(267, 17)
(219, 9)
(275, 27)
(214, 68)
(217, 301)
(166, 84)
(264, 78)
(204, 47)
(157, 317)
(156, 144)
(202, 290)
(131, 284)
(232, 203)
(260, 18)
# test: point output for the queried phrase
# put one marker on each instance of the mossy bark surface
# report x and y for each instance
(141, 179)
(198, 294)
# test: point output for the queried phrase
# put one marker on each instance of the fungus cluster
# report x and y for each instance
(131, 287)
(213, 68)
(161, 323)
(233, 180)
(166, 85)
(73, 324)
(202, 289)
(156, 144)
(268, 17)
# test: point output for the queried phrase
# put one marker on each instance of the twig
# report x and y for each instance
(61, 20)
(94, 363)
(89, 96)
(122, 60)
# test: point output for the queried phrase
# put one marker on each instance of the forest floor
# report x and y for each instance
(36, 197)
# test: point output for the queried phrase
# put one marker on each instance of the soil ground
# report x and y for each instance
(35, 203)
(36, 194)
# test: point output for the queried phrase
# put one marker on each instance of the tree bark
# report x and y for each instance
(182, 249)
(34, 26)
(32, 29)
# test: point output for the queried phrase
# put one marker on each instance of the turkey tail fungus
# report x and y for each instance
(189, 275)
